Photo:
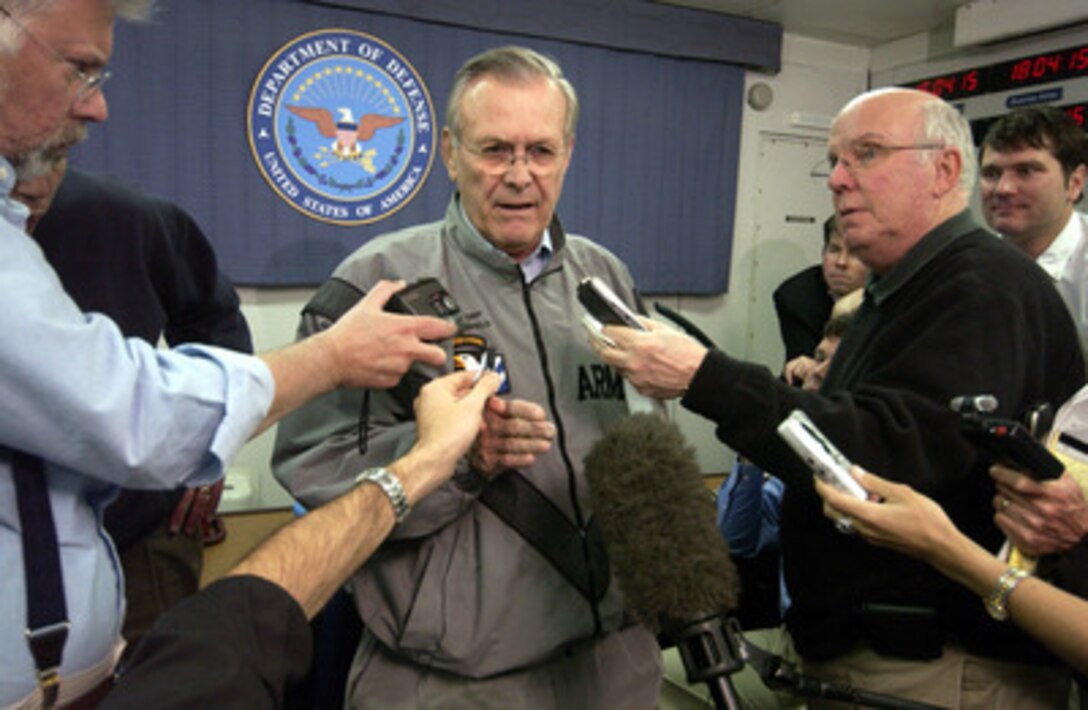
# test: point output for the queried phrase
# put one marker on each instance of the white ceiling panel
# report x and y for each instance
(861, 22)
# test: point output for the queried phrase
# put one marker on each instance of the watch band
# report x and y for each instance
(997, 602)
(390, 485)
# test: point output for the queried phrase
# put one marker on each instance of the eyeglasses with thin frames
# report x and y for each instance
(497, 157)
(87, 82)
(861, 155)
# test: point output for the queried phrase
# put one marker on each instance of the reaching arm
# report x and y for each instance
(311, 557)
(914, 524)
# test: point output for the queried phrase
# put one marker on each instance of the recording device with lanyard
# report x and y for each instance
(425, 297)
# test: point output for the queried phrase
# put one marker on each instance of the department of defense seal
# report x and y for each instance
(341, 126)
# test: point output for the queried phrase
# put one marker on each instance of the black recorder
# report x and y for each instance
(1008, 441)
(1005, 441)
(604, 305)
(426, 297)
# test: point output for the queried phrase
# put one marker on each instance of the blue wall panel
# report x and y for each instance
(653, 175)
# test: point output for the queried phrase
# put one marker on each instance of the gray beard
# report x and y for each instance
(31, 166)
(45, 158)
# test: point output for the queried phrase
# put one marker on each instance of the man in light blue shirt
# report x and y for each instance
(101, 411)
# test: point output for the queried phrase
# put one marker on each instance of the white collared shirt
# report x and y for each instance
(1066, 261)
(534, 264)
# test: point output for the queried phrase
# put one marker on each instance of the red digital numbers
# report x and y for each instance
(969, 81)
(1078, 59)
(1077, 112)
(1051, 67)
(1037, 67)
(951, 85)
(943, 86)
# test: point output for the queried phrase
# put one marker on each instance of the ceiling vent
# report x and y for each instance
(985, 21)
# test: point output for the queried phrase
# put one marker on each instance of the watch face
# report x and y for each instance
(390, 485)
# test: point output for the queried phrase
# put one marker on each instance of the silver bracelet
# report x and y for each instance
(998, 600)
(389, 483)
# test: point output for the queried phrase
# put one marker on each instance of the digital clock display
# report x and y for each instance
(1027, 71)
(1041, 69)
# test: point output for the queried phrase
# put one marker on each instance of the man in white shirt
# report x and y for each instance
(1032, 174)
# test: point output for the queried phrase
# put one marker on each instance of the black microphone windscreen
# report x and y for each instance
(657, 520)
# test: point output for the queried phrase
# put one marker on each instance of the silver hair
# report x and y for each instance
(942, 123)
(515, 64)
(25, 10)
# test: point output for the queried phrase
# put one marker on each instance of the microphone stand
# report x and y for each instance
(713, 648)
(779, 674)
(710, 653)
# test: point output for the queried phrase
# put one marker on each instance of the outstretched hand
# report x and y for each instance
(449, 416)
(367, 347)
(372, 347)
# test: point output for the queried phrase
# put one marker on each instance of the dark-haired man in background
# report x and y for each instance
(1031, 177)
(804, 301)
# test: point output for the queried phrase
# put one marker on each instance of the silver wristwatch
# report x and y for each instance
(390, 485)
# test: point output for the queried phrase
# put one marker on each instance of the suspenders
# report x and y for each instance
(47, 614)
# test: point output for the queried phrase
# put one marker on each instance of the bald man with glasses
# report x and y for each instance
(950, 310)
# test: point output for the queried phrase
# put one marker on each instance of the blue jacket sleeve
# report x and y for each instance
(749, 503)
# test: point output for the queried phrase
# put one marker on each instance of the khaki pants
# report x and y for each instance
(955, 680)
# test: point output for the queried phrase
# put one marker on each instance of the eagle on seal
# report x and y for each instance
(346, 131)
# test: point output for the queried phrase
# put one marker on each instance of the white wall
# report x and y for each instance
(816, 79)
(273, 317)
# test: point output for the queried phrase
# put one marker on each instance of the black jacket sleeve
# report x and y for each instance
(241, 643)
